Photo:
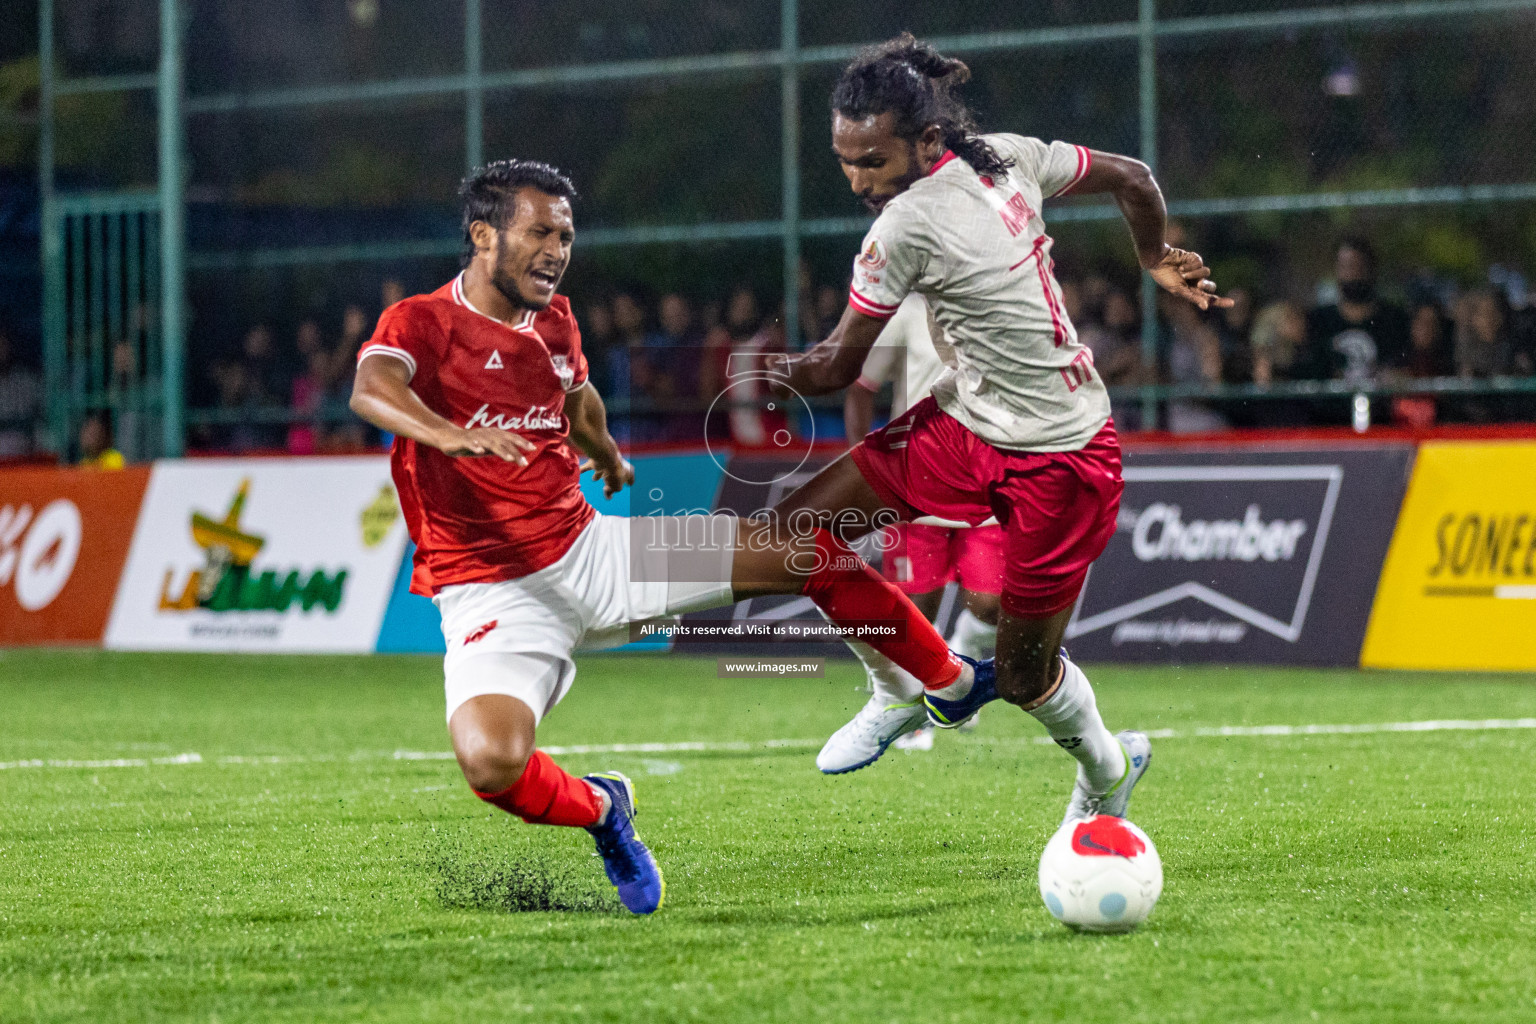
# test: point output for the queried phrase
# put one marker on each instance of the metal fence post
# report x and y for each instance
(172, 232)
(1148, 94)
(52, 249)
(474, 89)
(789, 82)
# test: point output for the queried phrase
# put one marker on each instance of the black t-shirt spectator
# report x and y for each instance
(1355, 351)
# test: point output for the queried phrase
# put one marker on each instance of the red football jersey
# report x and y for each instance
(482, 520)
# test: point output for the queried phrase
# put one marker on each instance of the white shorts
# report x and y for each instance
(517, 637)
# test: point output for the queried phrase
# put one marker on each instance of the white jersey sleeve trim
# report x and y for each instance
(389, 350)
(869, 307)
(1084, 165)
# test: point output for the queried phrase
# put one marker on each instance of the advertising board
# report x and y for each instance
(261, 555)
(1232, 555)
(1459, 587)
(64, 536)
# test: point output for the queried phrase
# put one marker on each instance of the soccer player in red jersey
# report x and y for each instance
(1019, 426)
(484, 385)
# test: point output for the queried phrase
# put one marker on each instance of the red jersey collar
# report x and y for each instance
(949, 155)
(522, 323)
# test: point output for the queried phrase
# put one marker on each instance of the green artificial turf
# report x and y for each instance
(1357, 877)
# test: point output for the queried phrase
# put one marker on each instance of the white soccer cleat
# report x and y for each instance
(864, 739)
(920, 738)
(1138, 758)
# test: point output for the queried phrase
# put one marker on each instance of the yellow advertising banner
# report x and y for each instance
(1459, 587)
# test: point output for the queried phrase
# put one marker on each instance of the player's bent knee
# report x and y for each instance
(492, 765)
(492, 740)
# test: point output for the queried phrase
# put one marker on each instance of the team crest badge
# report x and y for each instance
(873, 257)
(563, 370)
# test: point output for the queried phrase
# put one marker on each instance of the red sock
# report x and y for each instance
(853, 594)
(547, 794)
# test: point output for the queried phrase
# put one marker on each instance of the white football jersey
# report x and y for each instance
(975, 247)
(905, 354)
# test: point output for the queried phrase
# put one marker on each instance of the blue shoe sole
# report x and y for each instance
(862, 764)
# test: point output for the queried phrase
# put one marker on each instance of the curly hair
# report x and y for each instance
(490, 193)
(917, 84)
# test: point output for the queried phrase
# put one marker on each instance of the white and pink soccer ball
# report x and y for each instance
(1100, 875)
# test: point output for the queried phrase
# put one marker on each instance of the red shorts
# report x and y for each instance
(920, 559)
(1057, 508)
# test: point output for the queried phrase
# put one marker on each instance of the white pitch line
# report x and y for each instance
(743, 747)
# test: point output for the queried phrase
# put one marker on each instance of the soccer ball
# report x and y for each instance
(1100, 875)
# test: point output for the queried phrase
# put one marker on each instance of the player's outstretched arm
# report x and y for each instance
(835, 363)
(589, 433)
(382, 395)
(1176, 271)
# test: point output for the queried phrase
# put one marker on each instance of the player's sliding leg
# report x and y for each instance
(795, 552)
(493, 739)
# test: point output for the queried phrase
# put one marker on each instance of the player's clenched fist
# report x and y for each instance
(1184, 273)
(503, 444)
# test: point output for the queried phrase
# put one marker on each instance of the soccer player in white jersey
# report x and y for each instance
(922, 558)
(1020, 427)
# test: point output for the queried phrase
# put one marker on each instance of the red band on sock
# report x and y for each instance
(852, 594)
(547, 794)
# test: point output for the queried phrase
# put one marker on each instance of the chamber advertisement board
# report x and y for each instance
(1232, 555)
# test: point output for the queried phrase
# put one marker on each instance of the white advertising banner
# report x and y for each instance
(261, 555)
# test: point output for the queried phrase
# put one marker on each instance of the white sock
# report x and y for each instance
(889, 681)
(1071, 716)
(972, 637)
(960, 687)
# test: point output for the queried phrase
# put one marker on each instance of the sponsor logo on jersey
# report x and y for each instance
(873, 257)
(564, 371)
(230, 581)
(538, 417)
(494, 363)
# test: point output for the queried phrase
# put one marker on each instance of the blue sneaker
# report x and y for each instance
(630, 866)
(951, 714)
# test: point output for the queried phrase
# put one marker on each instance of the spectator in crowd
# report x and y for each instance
(307, 436)
(633, 383)
(1428, 356)
(1279, 341)
(95, 442)
(677, 349)
(390, 292)
(229, 387)
(740, 347)
(1483, 344)
(1234, 331)
(21, 404)
(1114, 338)
(1353, 338)
(1193, 357)
(1483, 349)
(350, 433)
(830, 303)
(259, 363)
(597, 340)
(1429, 353)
